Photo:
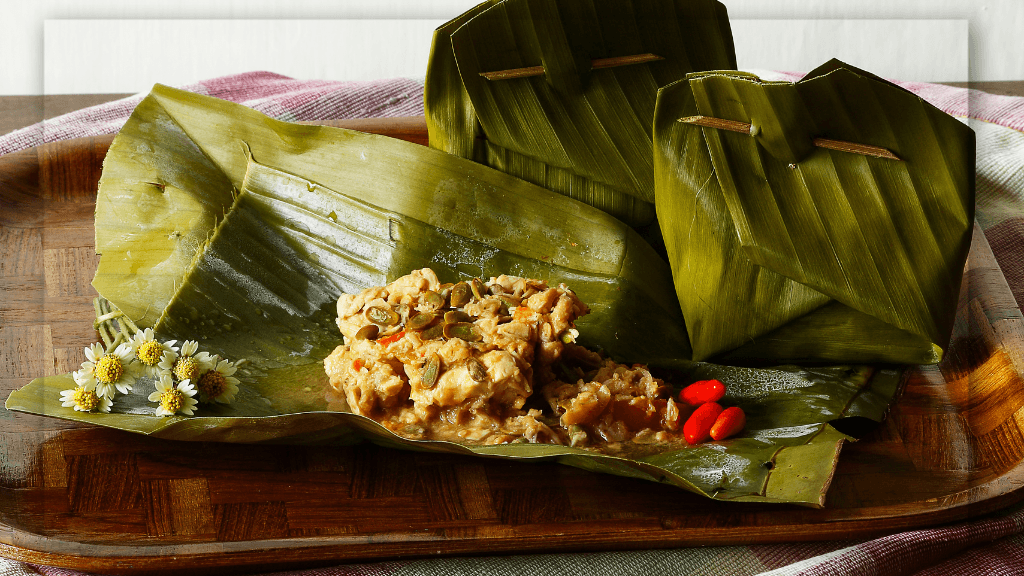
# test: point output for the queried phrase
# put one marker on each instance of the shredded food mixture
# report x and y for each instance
(488, 363)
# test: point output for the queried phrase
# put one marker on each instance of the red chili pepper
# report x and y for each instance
(702, 391)
(697, 428)
(728, 423)
(389, 339)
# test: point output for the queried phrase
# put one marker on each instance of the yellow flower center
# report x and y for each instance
(109, 369)
(85, 399)
(212, 383)
(186, 368)
(171, 400)
(150, 353)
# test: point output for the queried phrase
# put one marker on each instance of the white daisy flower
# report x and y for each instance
(173, 399)
(149, 351)
(84, 399)
(188, 365)
(106, 372)
(218, 384)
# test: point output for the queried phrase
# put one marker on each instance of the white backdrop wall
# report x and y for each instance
(89, 46)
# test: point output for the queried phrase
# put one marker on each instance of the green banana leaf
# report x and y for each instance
(787, 453)
(582, 132)
(404, 206)
(271, 251)
(784, 251)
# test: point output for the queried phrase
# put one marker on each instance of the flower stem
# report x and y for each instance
(113, 325)
(104, 330)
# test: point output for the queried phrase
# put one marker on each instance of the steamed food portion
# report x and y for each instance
(452, 361)
(616, 404)
(488, 363)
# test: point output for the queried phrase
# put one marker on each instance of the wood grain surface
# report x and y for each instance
(21, 111)
(101, 500)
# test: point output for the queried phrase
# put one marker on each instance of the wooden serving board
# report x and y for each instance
(101, 500)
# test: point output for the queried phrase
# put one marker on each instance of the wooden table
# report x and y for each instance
(105, 501)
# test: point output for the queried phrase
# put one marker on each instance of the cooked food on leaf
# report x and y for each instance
(491, 362)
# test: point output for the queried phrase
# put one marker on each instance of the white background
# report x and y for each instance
(102, 46)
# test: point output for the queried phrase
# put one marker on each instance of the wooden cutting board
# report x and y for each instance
(101, 500)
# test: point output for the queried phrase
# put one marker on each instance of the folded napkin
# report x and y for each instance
(990, 545)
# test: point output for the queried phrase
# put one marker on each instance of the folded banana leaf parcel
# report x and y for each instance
(219, 225)
(823, 220)
(562, 94)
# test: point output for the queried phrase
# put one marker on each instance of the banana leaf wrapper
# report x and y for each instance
(579, 131)
(785, 251)
(274, 250)
(400, 206)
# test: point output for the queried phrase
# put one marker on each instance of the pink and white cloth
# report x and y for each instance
(991, 545)
(277, 96)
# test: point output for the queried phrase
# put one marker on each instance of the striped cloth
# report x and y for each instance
(991, 545)
(276, 96)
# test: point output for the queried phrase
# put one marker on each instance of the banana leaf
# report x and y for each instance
(575, 129)
(782, 250)
(274, 250)
(404, 206)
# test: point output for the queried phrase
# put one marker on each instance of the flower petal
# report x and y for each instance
(104, 389)
(164, 384)
(94, 352)
(168, 360)
(123, 351)
(226, 368)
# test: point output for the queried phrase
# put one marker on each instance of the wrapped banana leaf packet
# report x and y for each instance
(823, 220)
(220, 225)
(562, 94)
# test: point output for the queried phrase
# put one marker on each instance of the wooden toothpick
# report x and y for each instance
(747, 128)
(719, 123)
(855, 148)
(595, 64)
